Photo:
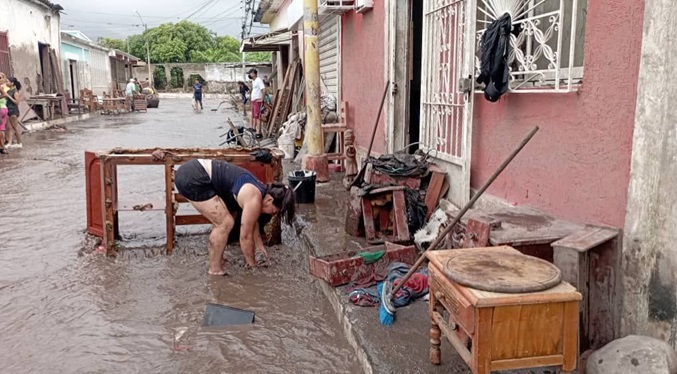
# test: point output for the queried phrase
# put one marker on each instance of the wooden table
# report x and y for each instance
(496, 331)
(46, 104)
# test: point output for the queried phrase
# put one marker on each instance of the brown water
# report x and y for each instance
(66, 310)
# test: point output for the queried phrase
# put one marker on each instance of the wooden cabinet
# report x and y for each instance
(498, 331)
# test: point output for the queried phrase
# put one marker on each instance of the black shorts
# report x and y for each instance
(13, 112)
(193, 182)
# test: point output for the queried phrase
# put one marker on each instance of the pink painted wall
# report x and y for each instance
(578, 165)
(363, 73)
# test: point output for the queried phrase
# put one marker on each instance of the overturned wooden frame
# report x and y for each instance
(102, 187)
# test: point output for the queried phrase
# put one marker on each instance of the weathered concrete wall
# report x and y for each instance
(28, 24)
(218, 77)
(650, 253)
(363, 73)
(578, 166)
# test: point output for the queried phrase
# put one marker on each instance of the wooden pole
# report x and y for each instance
(467, 207)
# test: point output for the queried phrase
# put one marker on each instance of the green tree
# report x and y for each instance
(258, 57)
(112, 43)
(189, 42)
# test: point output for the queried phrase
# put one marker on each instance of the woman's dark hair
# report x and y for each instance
(16, 83)
(284, 199)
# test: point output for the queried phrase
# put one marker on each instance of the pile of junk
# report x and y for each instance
(291, 134)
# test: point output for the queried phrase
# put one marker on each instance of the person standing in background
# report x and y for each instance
(4, 116)
(13, 97)
(197, 94)
(258, 93)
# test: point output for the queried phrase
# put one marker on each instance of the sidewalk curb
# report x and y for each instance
(37, 126)
(334, 299)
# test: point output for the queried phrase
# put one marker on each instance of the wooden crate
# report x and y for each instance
(506, 331)
(342, 268)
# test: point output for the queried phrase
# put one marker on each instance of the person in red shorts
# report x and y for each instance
(258, 93)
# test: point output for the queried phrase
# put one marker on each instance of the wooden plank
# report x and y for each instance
(354, 222)
(281, 92)
(525, 363)
(482, 341)
(604, 294)
(169, 207)
(434, 191)
(107, 208)
(540, 330)
(400, 213)
(191, 220)
(586, 239)
(368, 217)
(59, 81)
(505, 331)
(570, 339)
(47, 78)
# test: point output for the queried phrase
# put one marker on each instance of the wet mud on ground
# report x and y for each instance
(64, 309)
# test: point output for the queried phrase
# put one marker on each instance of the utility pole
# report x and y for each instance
(145, 25)
(316, 159)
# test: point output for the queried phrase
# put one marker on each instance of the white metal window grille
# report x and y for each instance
(547, 42)
(448, 58)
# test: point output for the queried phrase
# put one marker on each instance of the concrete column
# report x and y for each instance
(315, 160)
(650, 238)
(168, 75)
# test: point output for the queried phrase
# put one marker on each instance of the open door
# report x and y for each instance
(446, 97)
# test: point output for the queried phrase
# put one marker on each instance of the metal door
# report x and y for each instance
(446, 92)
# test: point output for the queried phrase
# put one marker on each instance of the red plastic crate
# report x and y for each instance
(340, 268)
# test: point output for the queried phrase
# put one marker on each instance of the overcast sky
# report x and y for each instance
(117, 19)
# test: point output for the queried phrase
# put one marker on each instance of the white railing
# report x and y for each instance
(546, 43)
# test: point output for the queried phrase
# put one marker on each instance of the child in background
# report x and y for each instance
(4, 116)
(13, 97)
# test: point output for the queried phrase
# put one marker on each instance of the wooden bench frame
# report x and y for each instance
(102, 186)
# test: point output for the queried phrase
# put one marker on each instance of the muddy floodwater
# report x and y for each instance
(64, 309)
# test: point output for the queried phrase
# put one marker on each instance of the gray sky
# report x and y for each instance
(117, 19)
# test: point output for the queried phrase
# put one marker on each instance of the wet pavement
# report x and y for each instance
(66, 310)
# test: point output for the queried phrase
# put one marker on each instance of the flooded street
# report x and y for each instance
(66, 310)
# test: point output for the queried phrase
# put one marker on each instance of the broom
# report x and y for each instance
(387, 293)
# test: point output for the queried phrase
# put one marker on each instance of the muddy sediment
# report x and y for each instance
(66, 309)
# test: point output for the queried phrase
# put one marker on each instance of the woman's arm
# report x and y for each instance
(250, 216)
(258, 241)
(15, 99)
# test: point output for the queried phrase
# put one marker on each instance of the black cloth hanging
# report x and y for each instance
(494, 70)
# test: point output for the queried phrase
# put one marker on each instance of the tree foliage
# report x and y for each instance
(112, 43)
(187, 42)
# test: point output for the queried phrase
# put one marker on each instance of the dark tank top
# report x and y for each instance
(228, 179)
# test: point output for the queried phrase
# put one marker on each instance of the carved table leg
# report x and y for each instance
(435, 333)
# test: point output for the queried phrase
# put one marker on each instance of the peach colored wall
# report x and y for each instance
(363, 73)
(578, 166)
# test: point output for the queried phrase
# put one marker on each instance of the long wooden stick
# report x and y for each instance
(360, 175)
(463, 211)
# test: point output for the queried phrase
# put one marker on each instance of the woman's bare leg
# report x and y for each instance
(222, 223)
(14, 122)
(8, 131)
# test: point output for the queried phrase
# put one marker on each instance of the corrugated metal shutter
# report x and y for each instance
(330, 58)
(99, 72)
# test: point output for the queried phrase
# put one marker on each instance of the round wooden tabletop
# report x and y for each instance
(491, 271)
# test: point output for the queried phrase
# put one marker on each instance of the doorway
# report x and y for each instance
(415, 73)
(73, 72)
